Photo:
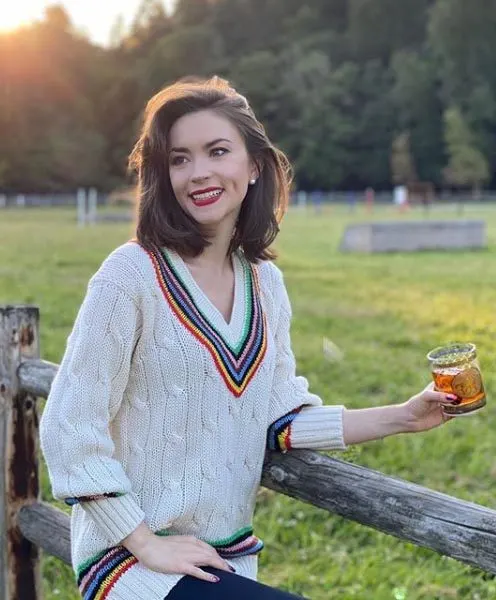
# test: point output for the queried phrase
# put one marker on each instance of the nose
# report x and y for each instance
(201, 170)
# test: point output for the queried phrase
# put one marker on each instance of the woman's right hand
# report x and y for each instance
(182, 554)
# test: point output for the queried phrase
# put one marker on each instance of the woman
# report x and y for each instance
(179, 370)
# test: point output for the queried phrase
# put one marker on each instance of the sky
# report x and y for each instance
(95, 17)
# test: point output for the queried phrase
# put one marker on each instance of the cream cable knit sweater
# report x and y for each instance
(162, 405)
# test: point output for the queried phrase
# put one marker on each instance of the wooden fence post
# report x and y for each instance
(20, 575)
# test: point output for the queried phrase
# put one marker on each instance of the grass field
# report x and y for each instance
(385, 312)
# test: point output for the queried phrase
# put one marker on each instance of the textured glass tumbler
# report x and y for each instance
(455, 370)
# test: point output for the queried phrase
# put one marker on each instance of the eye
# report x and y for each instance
(177, 160)
(219, 151)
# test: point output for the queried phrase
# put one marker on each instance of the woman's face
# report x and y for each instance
(209, 168)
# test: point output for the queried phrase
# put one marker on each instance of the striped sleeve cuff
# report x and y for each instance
(318, 428)
(279, 433)
(116, 517)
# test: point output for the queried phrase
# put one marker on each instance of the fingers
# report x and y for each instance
(209, 561)
(430, 394)
(186, 555)
(214, 559)
(226, 566)
(219, 563)
(439, 397)
(200, 574)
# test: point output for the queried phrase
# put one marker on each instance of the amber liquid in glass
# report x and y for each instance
(465, 383)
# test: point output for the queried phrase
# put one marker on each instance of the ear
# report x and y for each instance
(255, 170)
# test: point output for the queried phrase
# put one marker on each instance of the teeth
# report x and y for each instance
(207, 195)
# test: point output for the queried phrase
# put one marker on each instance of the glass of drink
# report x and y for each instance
(455, 370)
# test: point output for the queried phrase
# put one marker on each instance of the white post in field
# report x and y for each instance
(301, 199)
(81, 207)
(92, 205)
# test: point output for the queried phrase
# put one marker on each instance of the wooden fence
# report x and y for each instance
(462, 530)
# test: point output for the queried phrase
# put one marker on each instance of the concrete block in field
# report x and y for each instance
(409, 236)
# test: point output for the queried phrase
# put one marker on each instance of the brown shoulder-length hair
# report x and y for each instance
(161, 219)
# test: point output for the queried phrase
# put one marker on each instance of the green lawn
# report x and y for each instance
(385, 312)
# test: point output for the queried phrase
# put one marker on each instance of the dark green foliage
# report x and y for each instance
(335, 82)
(467, 165)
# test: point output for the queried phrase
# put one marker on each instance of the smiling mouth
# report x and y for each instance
(206, 198)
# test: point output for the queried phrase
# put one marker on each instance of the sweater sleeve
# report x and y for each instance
(85, 396)
(297, 418)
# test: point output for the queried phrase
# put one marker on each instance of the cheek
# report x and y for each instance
(238, 174)
(178, 183)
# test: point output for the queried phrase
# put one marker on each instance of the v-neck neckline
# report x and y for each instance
(238, 347)
(233, 330)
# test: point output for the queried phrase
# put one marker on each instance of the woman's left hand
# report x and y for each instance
(424, 411)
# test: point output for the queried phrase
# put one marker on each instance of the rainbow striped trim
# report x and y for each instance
(279, 433)
(97, 576)
(242, 543)
(236, 365)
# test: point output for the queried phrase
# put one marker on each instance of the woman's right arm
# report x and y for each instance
(75, 438)
(86, 393)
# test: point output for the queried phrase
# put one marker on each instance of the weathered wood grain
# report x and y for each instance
(36, 376)
(48, 528)
(450, 526)
(20, 575)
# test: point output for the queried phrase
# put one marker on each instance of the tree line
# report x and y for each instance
(357, 92)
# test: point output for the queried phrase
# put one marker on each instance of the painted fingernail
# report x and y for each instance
(232, 569)
(451, 398)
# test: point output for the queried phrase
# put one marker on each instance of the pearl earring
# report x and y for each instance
(253, 181)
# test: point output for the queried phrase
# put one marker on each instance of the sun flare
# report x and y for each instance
(93, 18)
(17, 14)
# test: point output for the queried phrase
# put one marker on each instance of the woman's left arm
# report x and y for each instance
(420, 413)
(317, 427)
(297, 418)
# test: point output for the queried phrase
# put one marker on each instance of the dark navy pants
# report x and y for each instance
(230, 587)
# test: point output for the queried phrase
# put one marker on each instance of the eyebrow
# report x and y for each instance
(206, 146)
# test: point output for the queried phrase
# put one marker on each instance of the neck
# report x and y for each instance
(215, 256)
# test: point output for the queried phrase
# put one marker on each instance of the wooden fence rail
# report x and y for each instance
(453, 527)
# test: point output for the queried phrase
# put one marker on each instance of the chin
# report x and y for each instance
(205, 214)
(210, 223)
(213, 217)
